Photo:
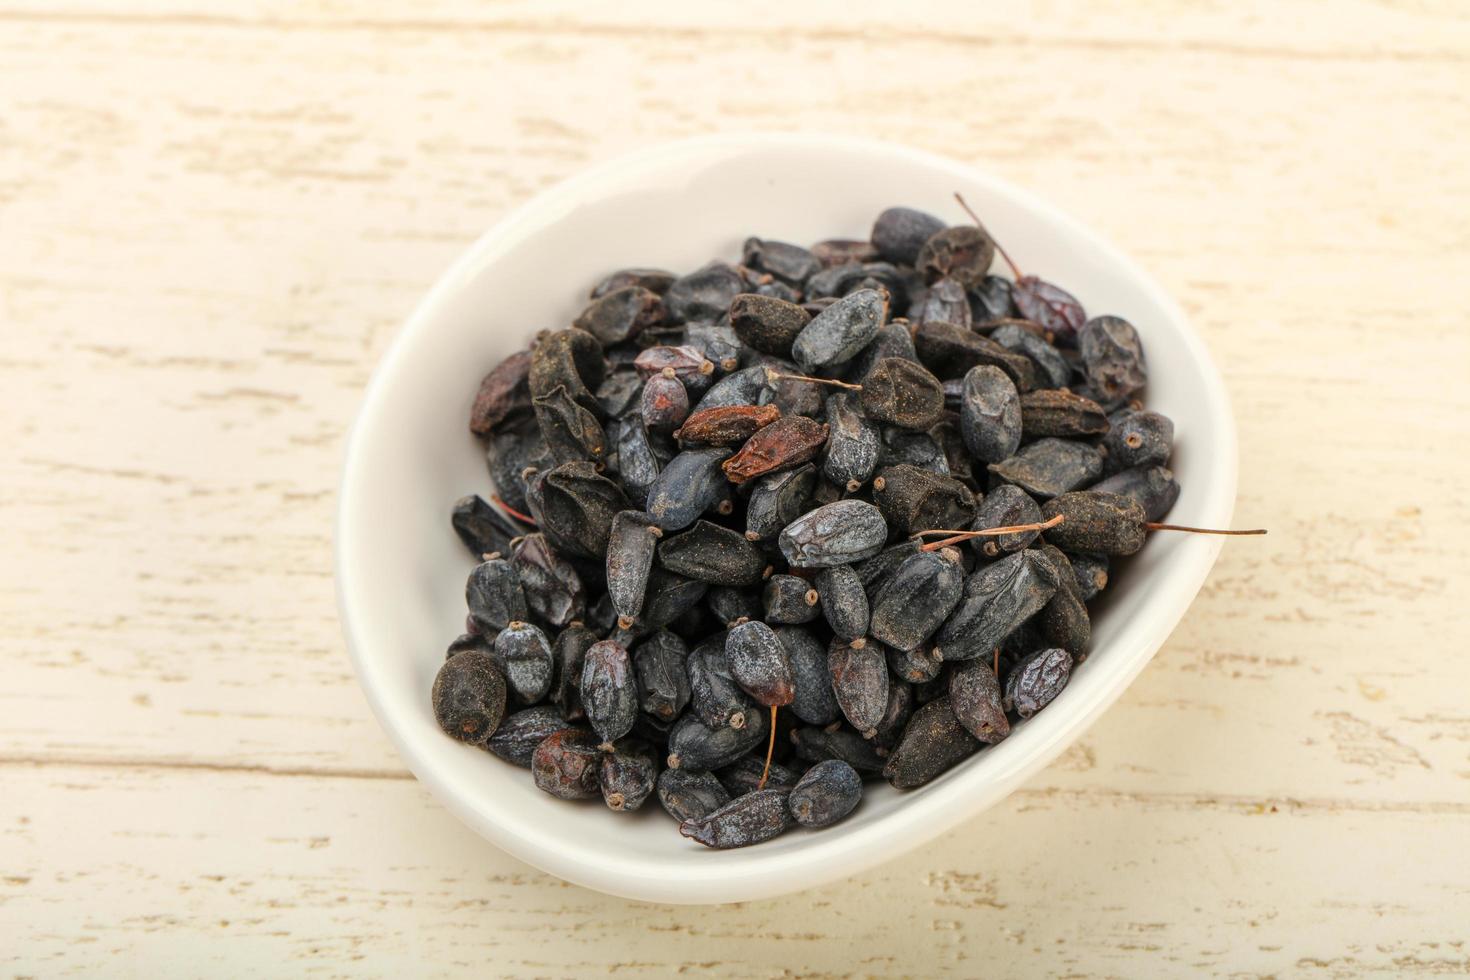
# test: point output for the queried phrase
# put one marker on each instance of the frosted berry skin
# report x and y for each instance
(933, 743)
(524, 654)
(690, 794)
(859, 673)
(838, 533)
(825, 794)
(609, 691)
(915, 600)
(840, 331)
(745, 820)
(759, 664)
(1096, 522)
(976, 699)
(469, 697)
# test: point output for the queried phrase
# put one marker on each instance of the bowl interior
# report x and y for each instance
(401, 570)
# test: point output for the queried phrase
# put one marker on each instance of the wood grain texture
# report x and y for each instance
(212, 220)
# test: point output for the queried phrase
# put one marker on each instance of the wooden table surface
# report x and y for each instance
(213, 219)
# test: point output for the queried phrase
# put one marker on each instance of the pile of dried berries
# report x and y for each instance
(757, 538)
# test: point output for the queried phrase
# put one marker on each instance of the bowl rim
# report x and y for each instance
(948, 803)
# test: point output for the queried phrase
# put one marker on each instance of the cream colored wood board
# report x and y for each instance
(212, 219)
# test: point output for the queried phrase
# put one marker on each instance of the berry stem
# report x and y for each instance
(524, 519)
(770, 748)
(958, 536)
(774, 375)
(1200, 530)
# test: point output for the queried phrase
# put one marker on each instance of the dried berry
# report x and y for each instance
(975, 698)
(728, 426)
(841, 251)
(1154, 487)
(565, 765)
(654, 280)
(916, 666)
(838, 533)
(990, 414)
(609, 691)
(892, 341)
(731, 604)
(962, 253)
(826, 793)
(631, 542)
(874, 571)
(711, 553)
(621, 314)
(1112, 355)
(916, 598)
(997, 599)
(510, 454)
(1005, 506)
(933, 743)
(900, 233)
(744, 775)
(1048, 467)
(743, 387)
(669, 597)
(784, 444)
(570, 359)
(840, 331)
(991, 300)
(1051, 306)
(715, 698)
(1064, 621)
(950, 351)
(570, 430)
(903, 393)
(947, 301)
(576, 509)
(626, 775)
(745, 820)
(568, 654)
(694, 744)
(516, 739)
(1060, 413)
(1052, 367)
(787, 262)
(814, 703)
(859, 673)
(665, 404)
(688, 365)
(776, 500)
(913, 499)
(759, 664)
(703, 295)
(660, 664)
(554, 591)
(506, 391)
(494, 595)
(1139, 439)
(638, 466)
(767, 324)
(789, 599)
(689, 485)
(1091, 572)
(469, 697)
(844, 601)
(690, 794)
(524, 655)
(481, 527)
(1034, 683)
(821, 744)
(1101, 523)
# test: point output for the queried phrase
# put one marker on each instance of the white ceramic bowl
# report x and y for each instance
(401, 570)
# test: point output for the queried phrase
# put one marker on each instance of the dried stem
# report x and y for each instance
(770, 748)
(1200, 530)
(958, 536)
(774, 375)
(524, 519)
(981, 225)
